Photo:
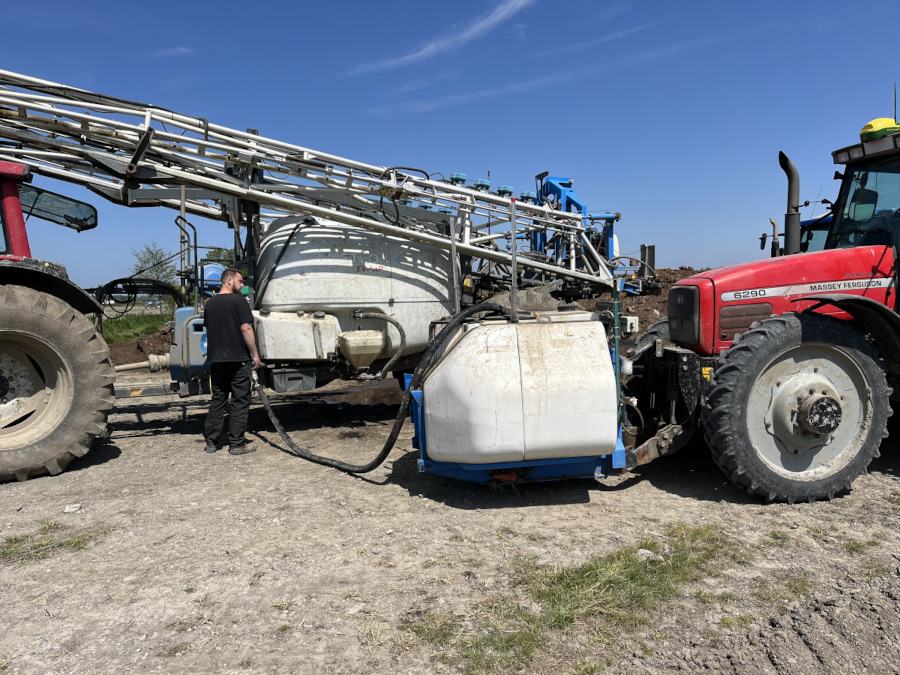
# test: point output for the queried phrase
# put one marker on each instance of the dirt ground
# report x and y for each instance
(265, 563)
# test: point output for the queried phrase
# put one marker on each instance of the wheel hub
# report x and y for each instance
(804, 412)
(4, 386)
(820, 415)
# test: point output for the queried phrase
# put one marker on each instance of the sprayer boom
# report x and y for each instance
(137, 154)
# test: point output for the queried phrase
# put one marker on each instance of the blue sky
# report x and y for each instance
(671, 113)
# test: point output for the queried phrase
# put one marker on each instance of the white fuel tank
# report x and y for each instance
(310, 266)
(516, 392)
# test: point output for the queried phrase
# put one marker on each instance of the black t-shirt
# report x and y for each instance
(225, 314)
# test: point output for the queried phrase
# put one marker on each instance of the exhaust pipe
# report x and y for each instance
(792, 216)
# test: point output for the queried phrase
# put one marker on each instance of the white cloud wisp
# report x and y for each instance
(474, 30)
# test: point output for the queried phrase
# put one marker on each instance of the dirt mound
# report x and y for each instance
(134, 351)
(650, 308)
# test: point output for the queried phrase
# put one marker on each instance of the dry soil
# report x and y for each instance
(210, 563)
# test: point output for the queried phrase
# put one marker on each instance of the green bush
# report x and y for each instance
(131, 326)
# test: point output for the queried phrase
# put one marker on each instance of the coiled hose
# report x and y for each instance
(418, 374)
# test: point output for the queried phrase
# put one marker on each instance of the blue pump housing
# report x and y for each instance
(188, 347)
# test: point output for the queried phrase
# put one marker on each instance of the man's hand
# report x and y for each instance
(256, 362)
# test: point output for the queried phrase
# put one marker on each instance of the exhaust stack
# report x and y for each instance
(792, 216)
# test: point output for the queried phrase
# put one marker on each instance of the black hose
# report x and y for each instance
(419, 373)
(263, 285)
(359, 314)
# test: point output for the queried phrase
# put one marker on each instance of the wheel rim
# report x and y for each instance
(36, 388)
(809, 412)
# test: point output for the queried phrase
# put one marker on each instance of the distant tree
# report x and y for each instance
(223, 256)
(152, 262)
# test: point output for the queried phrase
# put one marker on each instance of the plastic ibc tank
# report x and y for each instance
(518, 392)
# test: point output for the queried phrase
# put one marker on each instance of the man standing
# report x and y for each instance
(231, 350)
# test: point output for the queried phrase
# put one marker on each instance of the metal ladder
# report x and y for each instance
(137, 154)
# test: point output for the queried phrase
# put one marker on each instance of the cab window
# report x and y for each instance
(869, 206)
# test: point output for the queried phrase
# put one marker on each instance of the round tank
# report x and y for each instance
(308, 265)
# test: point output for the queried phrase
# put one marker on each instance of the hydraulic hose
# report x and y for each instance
(264, 284)
(357, 314)
(418, 374)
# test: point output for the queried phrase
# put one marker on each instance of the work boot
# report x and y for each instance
(242, 449)
(211, 446)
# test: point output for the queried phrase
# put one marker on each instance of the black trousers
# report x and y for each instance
(232, 378)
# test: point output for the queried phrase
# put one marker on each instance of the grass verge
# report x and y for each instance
(608, 595)
(131, 326)
(50, 537)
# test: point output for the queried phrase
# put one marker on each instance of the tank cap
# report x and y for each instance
(505, 190)
(457, 178)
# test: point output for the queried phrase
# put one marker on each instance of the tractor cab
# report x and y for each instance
(37, 202)
(867, 211)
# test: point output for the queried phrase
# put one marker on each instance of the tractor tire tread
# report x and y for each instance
(722, 413)
(23, 309)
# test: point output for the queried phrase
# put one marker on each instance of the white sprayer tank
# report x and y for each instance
(314, 273)
(504, 392)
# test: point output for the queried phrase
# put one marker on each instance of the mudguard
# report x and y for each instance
(50, 278)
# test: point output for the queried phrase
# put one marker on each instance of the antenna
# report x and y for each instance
(895, 104)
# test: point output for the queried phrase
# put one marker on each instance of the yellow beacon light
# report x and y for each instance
(883, 126)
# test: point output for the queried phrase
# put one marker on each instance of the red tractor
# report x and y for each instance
(790, 362)
(56, 379)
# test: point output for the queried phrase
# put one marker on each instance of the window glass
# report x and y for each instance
(870, 206)
(4, 235)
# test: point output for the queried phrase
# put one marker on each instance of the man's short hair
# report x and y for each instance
(229, 274)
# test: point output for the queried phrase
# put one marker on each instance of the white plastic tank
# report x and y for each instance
(315, 265)
(505, 392)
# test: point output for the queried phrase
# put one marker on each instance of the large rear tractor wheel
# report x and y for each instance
(797, 408)
(56, 383)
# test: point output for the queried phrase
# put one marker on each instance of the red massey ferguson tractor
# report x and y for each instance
(56, 380)
(787, 364)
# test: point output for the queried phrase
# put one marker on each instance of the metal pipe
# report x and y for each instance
(183, 238)
(181, 222)
(514, 272)
(792, 216)
(155, 362)
(132, 366)
(454, 271)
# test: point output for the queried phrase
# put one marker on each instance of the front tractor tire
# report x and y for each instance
(56, 383)
(797, 408)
